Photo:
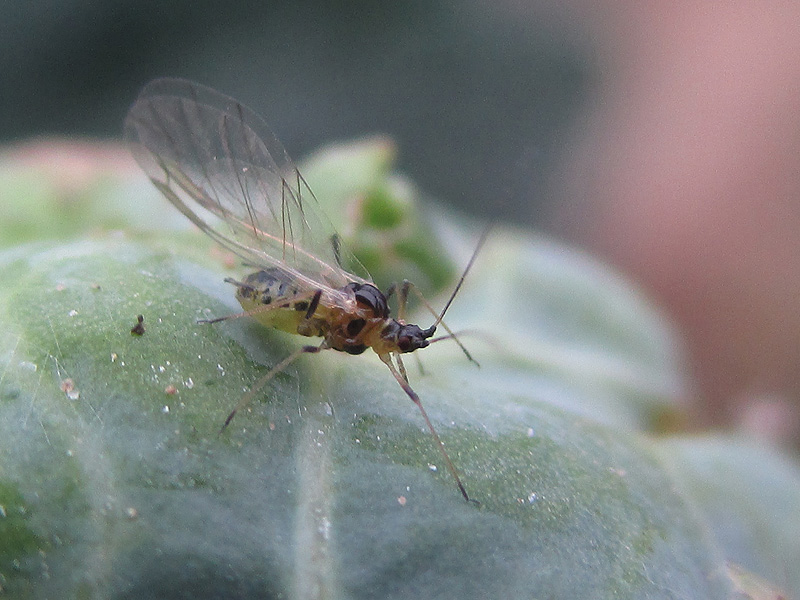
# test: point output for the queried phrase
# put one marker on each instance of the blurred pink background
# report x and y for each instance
(686, 174)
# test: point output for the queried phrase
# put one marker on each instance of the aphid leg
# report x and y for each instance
(390, 291)
(312, 307)
(387, 359)
(402, 299)
(237, 283)
(401, 367)
(305, 326)
(248, 397)
(265, 307)
(407, 285)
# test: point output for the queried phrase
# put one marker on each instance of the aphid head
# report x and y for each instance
(411, 337)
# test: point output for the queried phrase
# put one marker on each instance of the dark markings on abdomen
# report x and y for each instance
(269, 285)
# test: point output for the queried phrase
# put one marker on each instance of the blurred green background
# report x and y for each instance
(477, 95)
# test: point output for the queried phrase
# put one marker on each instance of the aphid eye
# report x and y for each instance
(355, 326)
(404, 343)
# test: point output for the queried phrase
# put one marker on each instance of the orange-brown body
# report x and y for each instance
(275, 301)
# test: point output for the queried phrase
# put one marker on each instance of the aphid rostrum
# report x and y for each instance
(222, 167)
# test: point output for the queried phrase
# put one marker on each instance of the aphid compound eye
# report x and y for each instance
(409, 337)
(404, 343)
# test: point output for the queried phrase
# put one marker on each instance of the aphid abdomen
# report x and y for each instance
(271, 287)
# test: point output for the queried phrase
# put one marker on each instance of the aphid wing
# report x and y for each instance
(210, 155)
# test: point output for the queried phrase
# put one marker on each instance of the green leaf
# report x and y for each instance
(115, 480)
(748, 494)
(329, 487)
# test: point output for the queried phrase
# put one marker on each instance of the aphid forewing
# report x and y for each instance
(210, 155)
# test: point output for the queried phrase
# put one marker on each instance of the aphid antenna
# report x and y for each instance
(450, 334)
(481, 241)
(457, 334)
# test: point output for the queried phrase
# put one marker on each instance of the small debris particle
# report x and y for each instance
(189, 383)
(96, 287)
(73, 313)
(138, 329)
(114, 357)
(171, 390)
(68, 387)
(530, 432)
(165, 409)
(60, 287)
(401, 500)
(2, 511)
(131, 513)
(433, 468)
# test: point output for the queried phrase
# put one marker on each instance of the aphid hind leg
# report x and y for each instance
(387, 359)
(248, 397)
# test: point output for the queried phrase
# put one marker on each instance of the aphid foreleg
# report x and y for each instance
(401, 367)
(387, 359)
(248, 397)
(402, 299)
